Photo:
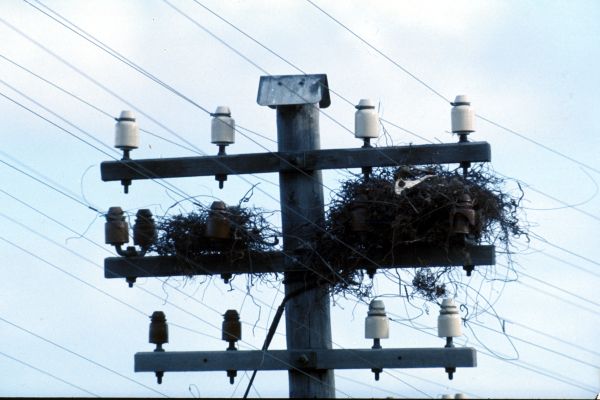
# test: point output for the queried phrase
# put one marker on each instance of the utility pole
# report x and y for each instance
(307, 315)
(309, 358)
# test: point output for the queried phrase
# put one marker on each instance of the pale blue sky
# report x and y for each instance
(531, 66)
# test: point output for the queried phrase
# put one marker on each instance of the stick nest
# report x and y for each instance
(409, 205)
(242, 230)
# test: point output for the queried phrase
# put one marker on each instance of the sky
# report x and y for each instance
(529, 67)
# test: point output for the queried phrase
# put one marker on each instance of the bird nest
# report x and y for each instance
(407, 206)
(230, 231)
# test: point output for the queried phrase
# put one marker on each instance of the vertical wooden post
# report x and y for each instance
(307, 315)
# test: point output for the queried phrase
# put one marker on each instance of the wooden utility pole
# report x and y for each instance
(307, 315)
(309, 357)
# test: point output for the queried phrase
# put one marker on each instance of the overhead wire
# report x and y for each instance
(115, 298)
(107, 250)
(519, 363)
(47, 185)
(76, 354)
(438, 94)
(143, 289)
(544, 348)
(338, 94)
(42, 371)
(160, 298)
(406, 71)
(226, 43)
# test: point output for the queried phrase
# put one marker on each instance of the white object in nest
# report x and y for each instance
(402, 184)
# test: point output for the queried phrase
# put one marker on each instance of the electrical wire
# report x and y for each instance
(558, 353)
(438, 94)
(143, 289)
(47, 185)
(154, 295)
(543, 146)
(118, 300)
(49, 374)
(40, 337)
(406, 71)
(521, 364)
(120, 57)
(92, 262)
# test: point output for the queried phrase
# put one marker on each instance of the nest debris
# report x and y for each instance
(410, 205)
(235, 232)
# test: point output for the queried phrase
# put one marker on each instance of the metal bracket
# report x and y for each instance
(285, 90)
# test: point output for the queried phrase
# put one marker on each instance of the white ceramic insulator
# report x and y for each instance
(462, 115)
(377, 325)
(377, 328)
(366, 120)
(127, 132)
(222, 129)
(449, 321)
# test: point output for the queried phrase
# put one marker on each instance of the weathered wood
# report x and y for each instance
(320, 359)
(402, 257)
(289, 161)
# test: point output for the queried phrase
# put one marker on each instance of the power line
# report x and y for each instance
(49, 186)
(140, 288)
(79, 355)
(561, 299)
(381, 53)
(353, 249)
(521, 364)
(560, 289)
(49, 374)
(549, 350)
(406, 71)
(54, 85)
(541, 239)
(558, 153)
(103, 112)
